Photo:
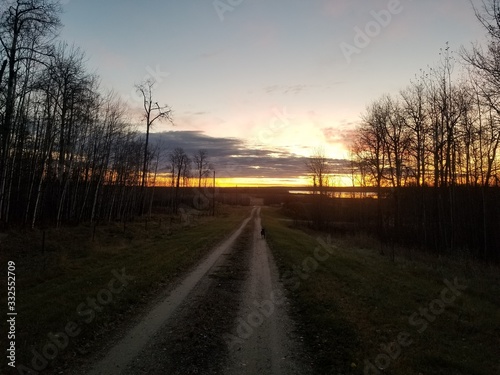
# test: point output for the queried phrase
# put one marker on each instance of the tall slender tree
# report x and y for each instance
(152, 112)
(27, 28)
(201, 163)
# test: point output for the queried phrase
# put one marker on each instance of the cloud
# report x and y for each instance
(211, 54)
(286, 89)
(197, 113)
(298, 88)
(340, 135)
(232, 158)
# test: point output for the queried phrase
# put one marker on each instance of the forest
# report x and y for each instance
(436, 144)
(69, 152)
(431, 153)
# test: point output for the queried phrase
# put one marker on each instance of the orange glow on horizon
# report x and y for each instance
(260, 182)
(300, 181)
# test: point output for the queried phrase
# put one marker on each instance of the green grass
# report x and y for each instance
(51, 286)
(358, 300)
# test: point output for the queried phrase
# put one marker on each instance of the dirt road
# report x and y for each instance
(228, 316)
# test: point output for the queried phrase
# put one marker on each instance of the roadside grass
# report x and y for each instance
(74, 269)
(357, 302)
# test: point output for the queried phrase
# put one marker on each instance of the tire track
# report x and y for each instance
(266, 340)
(126, 350)
(236, 293)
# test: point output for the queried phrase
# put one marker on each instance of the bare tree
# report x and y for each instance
(370, 146)
(152, 112)
(180, 164)
(201, 163)
(26, 29)
(486, 70)
(416, 117)
(319, 169)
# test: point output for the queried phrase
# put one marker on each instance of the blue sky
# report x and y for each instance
(271, 73)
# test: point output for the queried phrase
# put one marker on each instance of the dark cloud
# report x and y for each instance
(231, 157)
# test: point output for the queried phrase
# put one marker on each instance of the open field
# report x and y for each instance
(99, 284)
(360, 310)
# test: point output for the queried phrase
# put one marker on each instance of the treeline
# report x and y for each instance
(436, 132)
(440, 136)
(61, 139)
(67, 151)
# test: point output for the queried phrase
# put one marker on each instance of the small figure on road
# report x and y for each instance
(263, 233)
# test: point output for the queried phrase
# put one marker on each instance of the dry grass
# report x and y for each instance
(358, 300)
(77, 264)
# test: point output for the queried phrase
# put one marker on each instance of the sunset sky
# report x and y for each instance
(261, 83)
